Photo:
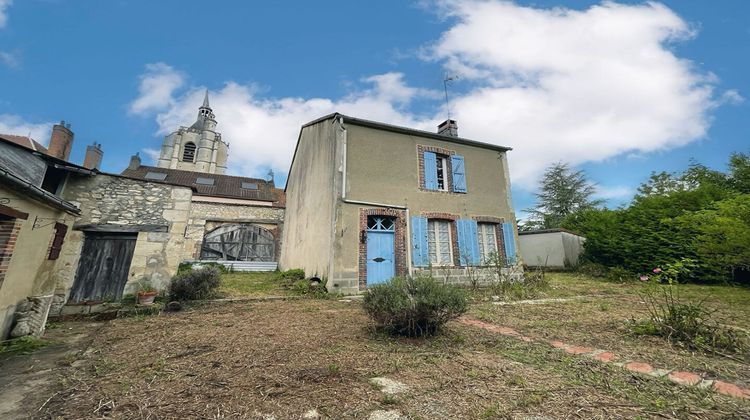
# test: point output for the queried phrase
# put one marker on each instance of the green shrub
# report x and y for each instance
(415, 306)
(195, 284)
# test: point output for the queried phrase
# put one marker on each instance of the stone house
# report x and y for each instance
(84, 236)
(367, 201)
(34, 222)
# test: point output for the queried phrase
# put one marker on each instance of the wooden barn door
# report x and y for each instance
(239, 242)
(103, 268)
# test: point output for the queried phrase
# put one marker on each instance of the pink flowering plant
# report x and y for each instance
(683, 322)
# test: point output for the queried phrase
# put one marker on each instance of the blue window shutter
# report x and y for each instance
(468, 242)
(419, 254)
(509, 239)
(459, 173)
(430, 171)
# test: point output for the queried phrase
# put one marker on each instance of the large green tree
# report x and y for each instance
(562, 191)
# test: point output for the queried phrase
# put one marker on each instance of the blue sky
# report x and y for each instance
(619, 89)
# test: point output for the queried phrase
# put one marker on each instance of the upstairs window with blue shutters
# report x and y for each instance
(438, 167)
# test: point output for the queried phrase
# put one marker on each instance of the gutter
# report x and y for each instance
(73, 169)
(39, 193)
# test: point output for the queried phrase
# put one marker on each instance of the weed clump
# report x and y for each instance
(687, 323)
(195, 284)
(414, 306)
(21, 345)
(291, 276)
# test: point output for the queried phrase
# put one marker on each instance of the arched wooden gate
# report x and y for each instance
(239, 242)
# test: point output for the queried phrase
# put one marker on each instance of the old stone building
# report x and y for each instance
(72, 237)
(230, 218)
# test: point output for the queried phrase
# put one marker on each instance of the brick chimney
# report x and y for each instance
(448, 128)
(61, 141)
(93, 158)
(135, 162)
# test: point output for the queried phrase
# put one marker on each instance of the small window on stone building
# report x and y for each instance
(204, 181)
(249, 185)
(156, 176)
(188, 153)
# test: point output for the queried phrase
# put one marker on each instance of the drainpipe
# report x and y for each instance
(343, 158)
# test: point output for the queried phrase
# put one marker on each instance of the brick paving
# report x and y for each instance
(604, 356)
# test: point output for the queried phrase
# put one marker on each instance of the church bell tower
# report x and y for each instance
(197, 148)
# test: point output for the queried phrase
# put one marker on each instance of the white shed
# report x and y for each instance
(553, 248)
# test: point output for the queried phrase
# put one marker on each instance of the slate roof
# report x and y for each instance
(24, 141)
(224, 186)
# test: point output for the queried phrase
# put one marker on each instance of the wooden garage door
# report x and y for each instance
(239, 242)
(103, 268)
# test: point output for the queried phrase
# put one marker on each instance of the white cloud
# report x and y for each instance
(152, 154)
(613, 192)
(10, 59)
(577, 86)
(4, 5)
(554, 84)
(14, 124)
(262, 132)
(156, 88)
(732, 97)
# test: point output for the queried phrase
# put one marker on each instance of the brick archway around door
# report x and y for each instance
(399, 239)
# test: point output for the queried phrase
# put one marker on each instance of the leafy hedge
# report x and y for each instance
(415, 306)
(701, 215)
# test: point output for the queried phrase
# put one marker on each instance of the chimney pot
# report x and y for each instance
(93, 158)
(61, 141)
(135, 162)
(448, 128)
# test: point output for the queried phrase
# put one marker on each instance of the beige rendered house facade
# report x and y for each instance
(368, 201)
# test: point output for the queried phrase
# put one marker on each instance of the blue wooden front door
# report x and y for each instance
(381, 264)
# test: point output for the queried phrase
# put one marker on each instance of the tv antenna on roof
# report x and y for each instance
(447, 80)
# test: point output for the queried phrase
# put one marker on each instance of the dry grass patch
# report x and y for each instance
(603, 321)
(284, 358)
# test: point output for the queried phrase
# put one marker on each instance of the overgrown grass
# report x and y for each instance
(252, 284)
(21, 345)
(277, 283)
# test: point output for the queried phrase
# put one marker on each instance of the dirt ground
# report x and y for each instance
(25, 375)
(281, 359)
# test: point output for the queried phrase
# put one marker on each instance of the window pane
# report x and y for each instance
(445, 242)
(431, 246)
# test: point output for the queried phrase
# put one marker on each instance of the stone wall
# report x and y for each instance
(463, 275)
(157, 212)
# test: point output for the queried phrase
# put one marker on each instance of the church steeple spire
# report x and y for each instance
(206, 118)
(205, 101)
